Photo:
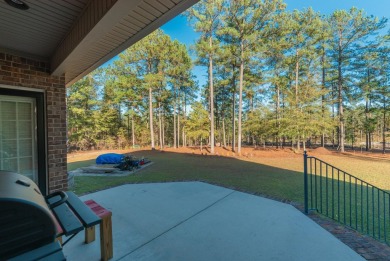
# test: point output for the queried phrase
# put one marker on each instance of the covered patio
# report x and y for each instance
(199, 221)
(46, 46)
(51, 45)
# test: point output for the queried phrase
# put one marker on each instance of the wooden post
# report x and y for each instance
(89, 235)
(106, 246)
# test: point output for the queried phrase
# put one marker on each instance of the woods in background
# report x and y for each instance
(293, 78)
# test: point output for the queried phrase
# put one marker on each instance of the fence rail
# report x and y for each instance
(347, 199)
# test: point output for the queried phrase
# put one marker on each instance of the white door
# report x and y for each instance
(18, 136)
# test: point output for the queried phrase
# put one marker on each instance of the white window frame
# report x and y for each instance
(34, 139)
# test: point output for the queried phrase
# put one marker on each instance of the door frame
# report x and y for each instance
(39, 96)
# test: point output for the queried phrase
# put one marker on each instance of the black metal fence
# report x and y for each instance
(347, 199)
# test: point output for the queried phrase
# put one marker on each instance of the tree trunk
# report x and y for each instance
(368, 145)
(185, 118)
(277, 116)
(163, 130)
(234, 124)
(384, 129)
(369, 140)
(151, 119)
(174, 128)
(296, 79)
(340, 95)
(178, 129)
(367, 132)
(128, 126)
(296, 94)
(211, 98)
(183, 140)
(333, 114)
(174, 120)
(323, 96)
(132, 130)
(223, 132)
(160, 126)
(240, 100)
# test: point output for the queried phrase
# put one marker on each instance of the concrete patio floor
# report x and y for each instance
(199, 221)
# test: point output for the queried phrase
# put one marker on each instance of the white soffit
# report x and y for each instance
(36, 32)
(119, 24)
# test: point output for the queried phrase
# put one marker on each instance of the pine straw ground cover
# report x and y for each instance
(269, 172)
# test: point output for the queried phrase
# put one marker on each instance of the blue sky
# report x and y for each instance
(379, 8)
(178, 28)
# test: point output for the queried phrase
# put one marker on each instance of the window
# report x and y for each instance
(18, 150)
(22, 134)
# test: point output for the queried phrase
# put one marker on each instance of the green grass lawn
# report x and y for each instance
(252, 177)
(276, 177)
(280, 178)
(79, 164)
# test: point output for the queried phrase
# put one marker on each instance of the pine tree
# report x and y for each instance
(348, 27)
(246, 25)
(82, 104)
(198, 123)
(180, 78)
(206, 16)
(149, 58)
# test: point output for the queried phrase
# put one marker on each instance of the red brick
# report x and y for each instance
(11, 79)
(19, 71)
(6, 68)
(6, 63)
(5, 73)
(30, 72)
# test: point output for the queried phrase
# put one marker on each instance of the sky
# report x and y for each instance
(179, 28)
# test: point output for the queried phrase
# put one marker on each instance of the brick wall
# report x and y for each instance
(22, 72)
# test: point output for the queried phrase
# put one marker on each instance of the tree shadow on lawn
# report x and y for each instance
(278, 183)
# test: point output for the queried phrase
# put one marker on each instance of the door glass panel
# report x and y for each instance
(9, 148)
(18, 148)
(8, 130)
(25, 148)
(8, 110)
(10, 164)
(24, 111)
(25, 130)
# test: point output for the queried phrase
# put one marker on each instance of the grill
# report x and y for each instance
(26, 222)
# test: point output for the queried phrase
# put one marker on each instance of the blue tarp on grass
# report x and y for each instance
(109, 158)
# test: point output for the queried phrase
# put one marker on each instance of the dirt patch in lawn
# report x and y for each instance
(246, 152)
(321, 151)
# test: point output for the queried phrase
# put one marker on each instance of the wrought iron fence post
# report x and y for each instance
(305, 182)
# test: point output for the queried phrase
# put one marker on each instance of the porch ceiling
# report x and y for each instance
(77, 36)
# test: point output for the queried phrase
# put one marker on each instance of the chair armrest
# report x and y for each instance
(82, 211)
(51, 201)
